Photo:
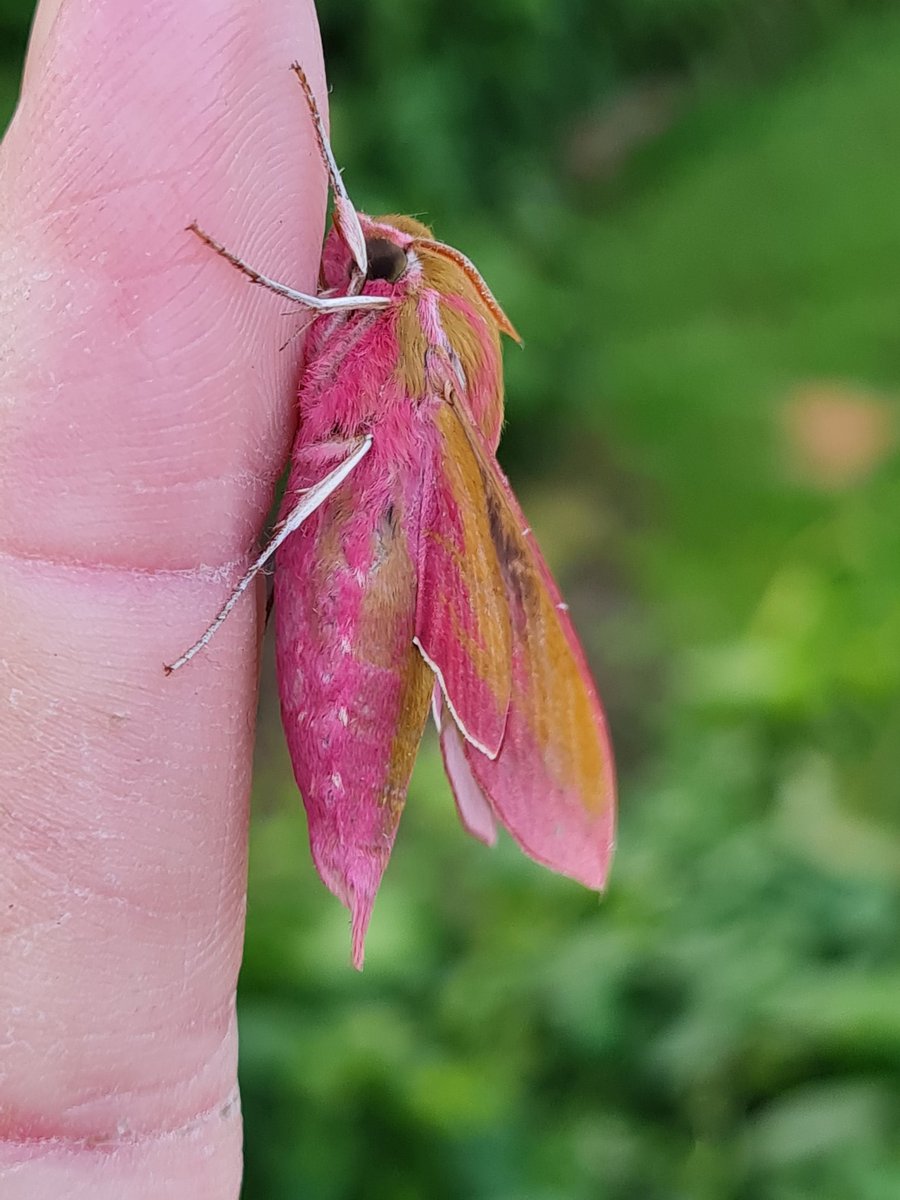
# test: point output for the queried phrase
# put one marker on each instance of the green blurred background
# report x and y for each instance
(691, 211)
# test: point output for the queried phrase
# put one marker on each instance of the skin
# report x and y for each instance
(145, 413)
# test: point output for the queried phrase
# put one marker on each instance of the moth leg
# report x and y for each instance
(345, 218)
(305, 507)
(316, 303)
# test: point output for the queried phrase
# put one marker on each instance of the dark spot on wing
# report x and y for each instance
(513, 565)
(385, 534)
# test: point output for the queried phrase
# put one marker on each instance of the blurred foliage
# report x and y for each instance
(689, 209)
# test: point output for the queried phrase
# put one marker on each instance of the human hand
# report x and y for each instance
(145, 414)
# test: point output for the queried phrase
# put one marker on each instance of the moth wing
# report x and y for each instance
(475, 813)
(462, 613)
(354, 690)
(552, 783)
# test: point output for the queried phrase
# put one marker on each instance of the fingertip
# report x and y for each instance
(129, 129)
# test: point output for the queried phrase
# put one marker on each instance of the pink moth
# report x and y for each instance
(407, 577)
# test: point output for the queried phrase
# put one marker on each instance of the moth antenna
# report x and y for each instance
(314, 303)
(346, 219)
(306, 506)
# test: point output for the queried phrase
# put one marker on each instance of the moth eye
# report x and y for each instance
(387, 260)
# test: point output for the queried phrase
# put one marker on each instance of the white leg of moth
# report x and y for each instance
(305, 507)
(316, 303)
(345, 218)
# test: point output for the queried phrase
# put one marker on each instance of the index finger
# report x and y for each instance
(145, 415)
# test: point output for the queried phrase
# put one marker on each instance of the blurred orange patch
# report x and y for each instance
(837, 433)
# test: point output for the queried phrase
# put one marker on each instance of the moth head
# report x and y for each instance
(403, 255)
(387, 243)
